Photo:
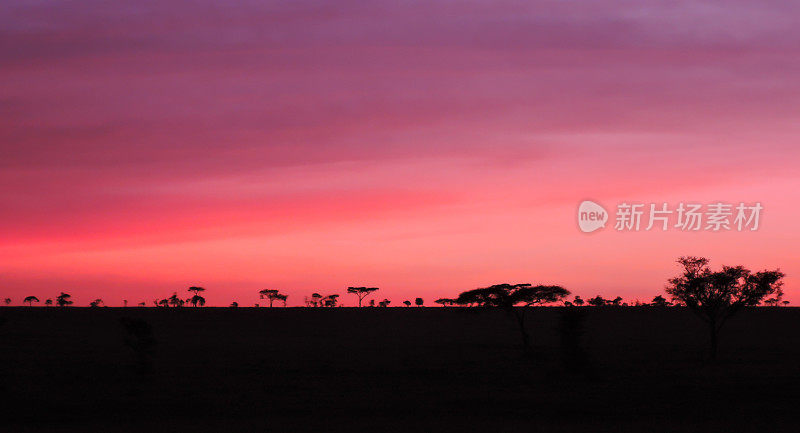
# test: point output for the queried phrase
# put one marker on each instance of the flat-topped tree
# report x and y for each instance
(715, 296)
(30, 300)
(268, 294)
(445, 302)
(196, 299)
(509, 296)
(273, 295)
(361, 292)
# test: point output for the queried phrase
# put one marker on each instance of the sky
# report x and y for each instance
(423, 147)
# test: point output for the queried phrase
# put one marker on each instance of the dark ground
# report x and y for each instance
(396, 369)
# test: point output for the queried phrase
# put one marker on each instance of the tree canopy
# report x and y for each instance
(510, 295)
(715, 296)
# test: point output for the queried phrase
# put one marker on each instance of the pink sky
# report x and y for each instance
(422, 147)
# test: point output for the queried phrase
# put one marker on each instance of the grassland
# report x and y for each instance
(396, 369)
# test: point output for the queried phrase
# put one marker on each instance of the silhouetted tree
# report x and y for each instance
(198, 300)
(660, 301)
(775, 299)
(617, 301)
(785, 303)
(578, 301)
(175, 301)
(30, 300)
(509, 296)
(384, 303)
(445, 302)
(63, 299)
(272, 295)
(419, 302)
(361, 292)
(715, 296)
(330, 300)
(124, 302)
(234, 304)
(597, 301)
(196, 290)
(163, 303)
(139, 338)
(96, 303)
(371, 303)
(142, 304)
(48, 302)
(407, 303)
(314, 301)
(7, 301)
(266, 293)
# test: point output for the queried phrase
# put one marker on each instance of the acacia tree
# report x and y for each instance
(273, 295)
(196, 290)
(64, 299)
(445, 302)
(407, 303)
(597, 301)
(30, 300)
(715, 296)
(578, 301)
(419, 302)
(509, 296)
(96, 302)
(48, 302)
(361, 292)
